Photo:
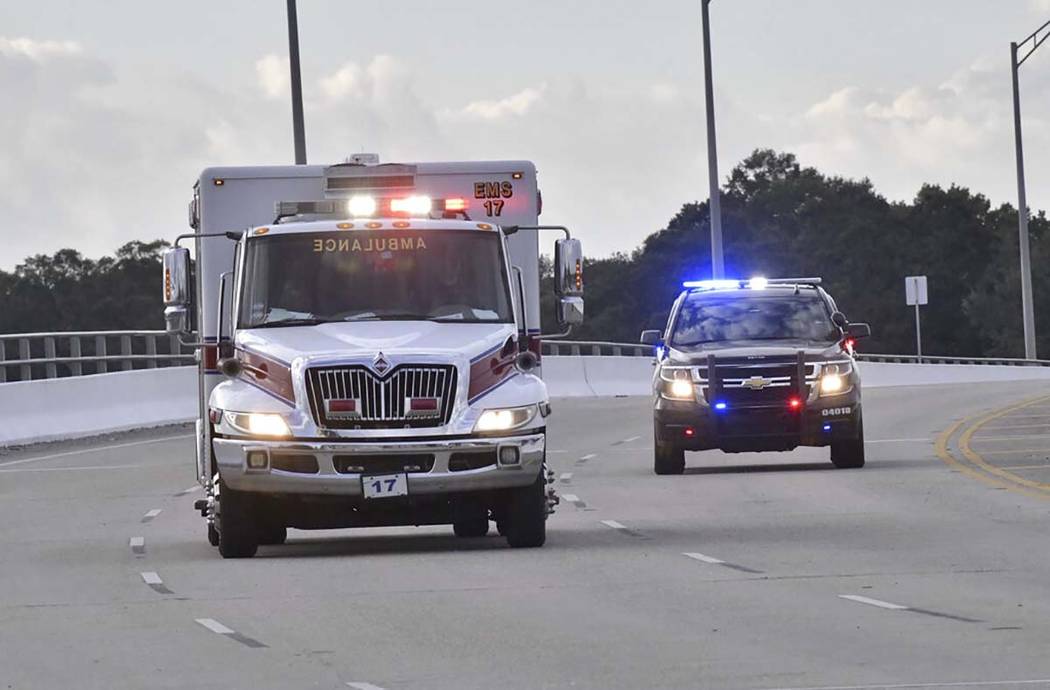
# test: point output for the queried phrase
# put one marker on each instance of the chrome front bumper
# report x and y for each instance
(231, 457)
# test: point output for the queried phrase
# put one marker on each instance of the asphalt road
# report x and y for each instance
(928, 568)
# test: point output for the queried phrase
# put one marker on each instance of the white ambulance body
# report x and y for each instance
(359, 414)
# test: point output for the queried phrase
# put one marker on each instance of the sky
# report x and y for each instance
(110, 109)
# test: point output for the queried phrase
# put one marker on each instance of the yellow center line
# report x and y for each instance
(981, 470)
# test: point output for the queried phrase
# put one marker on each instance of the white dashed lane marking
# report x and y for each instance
(566, 477)
(188, 491)
(718, 561)
(623, 529)
(585, 458)
(220, 629)
(151, 514)
(900, 607)
(156, 584)
(614, 524)
(873, 602)
(364, 686)
(138, 545)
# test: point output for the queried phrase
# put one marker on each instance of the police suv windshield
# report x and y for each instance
(716, 318)
(439, 275)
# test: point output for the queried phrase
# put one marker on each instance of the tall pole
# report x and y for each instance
(1027, 310)
(918, 333)
(298, 128)
(715, 202)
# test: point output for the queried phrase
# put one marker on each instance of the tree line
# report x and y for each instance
(780, 219)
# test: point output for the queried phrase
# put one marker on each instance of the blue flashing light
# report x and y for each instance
(712, 284)
(720, 406)
(827, 427)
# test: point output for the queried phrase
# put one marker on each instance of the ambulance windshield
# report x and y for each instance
(433, 275)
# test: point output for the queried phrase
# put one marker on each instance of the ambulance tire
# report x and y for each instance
(477, 526)
(238, 534)
(213, 535)
(668, 460)
(273, 535)
(849, 454)
(525, 521)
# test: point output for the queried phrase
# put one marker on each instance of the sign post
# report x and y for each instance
(915, 294)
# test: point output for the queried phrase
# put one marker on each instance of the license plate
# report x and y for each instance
(385, 485)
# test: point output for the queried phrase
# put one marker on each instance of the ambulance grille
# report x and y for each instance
(381, 401)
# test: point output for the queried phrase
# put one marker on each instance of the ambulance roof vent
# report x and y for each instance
(363, 159)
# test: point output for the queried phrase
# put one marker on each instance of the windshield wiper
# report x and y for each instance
(395, 316)
(297, 321)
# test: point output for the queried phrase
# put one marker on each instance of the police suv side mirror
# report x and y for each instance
(649, 337)
(177, 290)
(839, 319)
(568, 281)
(858, 330)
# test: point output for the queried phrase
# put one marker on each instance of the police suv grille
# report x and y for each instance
(381, 403)
(758, 385)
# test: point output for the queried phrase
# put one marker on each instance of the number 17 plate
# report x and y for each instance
(385, 485)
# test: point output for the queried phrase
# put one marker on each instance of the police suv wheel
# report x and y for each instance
(238, 534)
(849, 454)
(213, 535)
(526, 517)
(668, 460)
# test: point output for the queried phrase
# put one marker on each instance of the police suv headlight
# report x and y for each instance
(259, 424)
(834, 378)
(677, 384)
(505, 419)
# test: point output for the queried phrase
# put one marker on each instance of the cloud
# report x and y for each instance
(37, 50)
(515, 105)
(273, 75)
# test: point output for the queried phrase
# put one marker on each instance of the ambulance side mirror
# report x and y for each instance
(177, 290)
(568, 281)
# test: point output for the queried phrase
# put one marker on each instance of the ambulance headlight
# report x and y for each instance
(505, 419)
(834, 378)
(361, 205)
(259, 424)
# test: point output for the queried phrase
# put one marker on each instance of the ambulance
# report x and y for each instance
(369, 347)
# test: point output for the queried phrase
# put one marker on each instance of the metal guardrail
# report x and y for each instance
(33, 356)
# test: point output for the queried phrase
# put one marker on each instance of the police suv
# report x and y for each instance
(756, 365)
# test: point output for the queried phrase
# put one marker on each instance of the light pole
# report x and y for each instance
(298, 128)
(714, 202)
(1027, 309)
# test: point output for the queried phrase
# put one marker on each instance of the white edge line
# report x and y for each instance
(946, 684)
(364, 686)
(614, 524)
(873, 602)
(151, 578)
(704, 559)
(632, 438)
(153, 513)
(87, 468)
(136, 541)
(95, 449)
(215, 626)
(589, 456)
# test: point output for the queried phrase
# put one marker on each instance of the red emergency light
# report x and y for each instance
(794, 402)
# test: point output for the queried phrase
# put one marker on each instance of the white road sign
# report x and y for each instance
(915, 290)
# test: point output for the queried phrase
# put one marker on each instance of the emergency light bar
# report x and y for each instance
(756, 283)
(366, 206)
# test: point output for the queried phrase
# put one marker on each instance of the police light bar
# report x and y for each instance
(756, 283)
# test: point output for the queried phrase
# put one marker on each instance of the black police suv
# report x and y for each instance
(756, 365)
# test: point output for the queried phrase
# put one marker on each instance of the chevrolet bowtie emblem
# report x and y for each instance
(380, 364)
(756, 383)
